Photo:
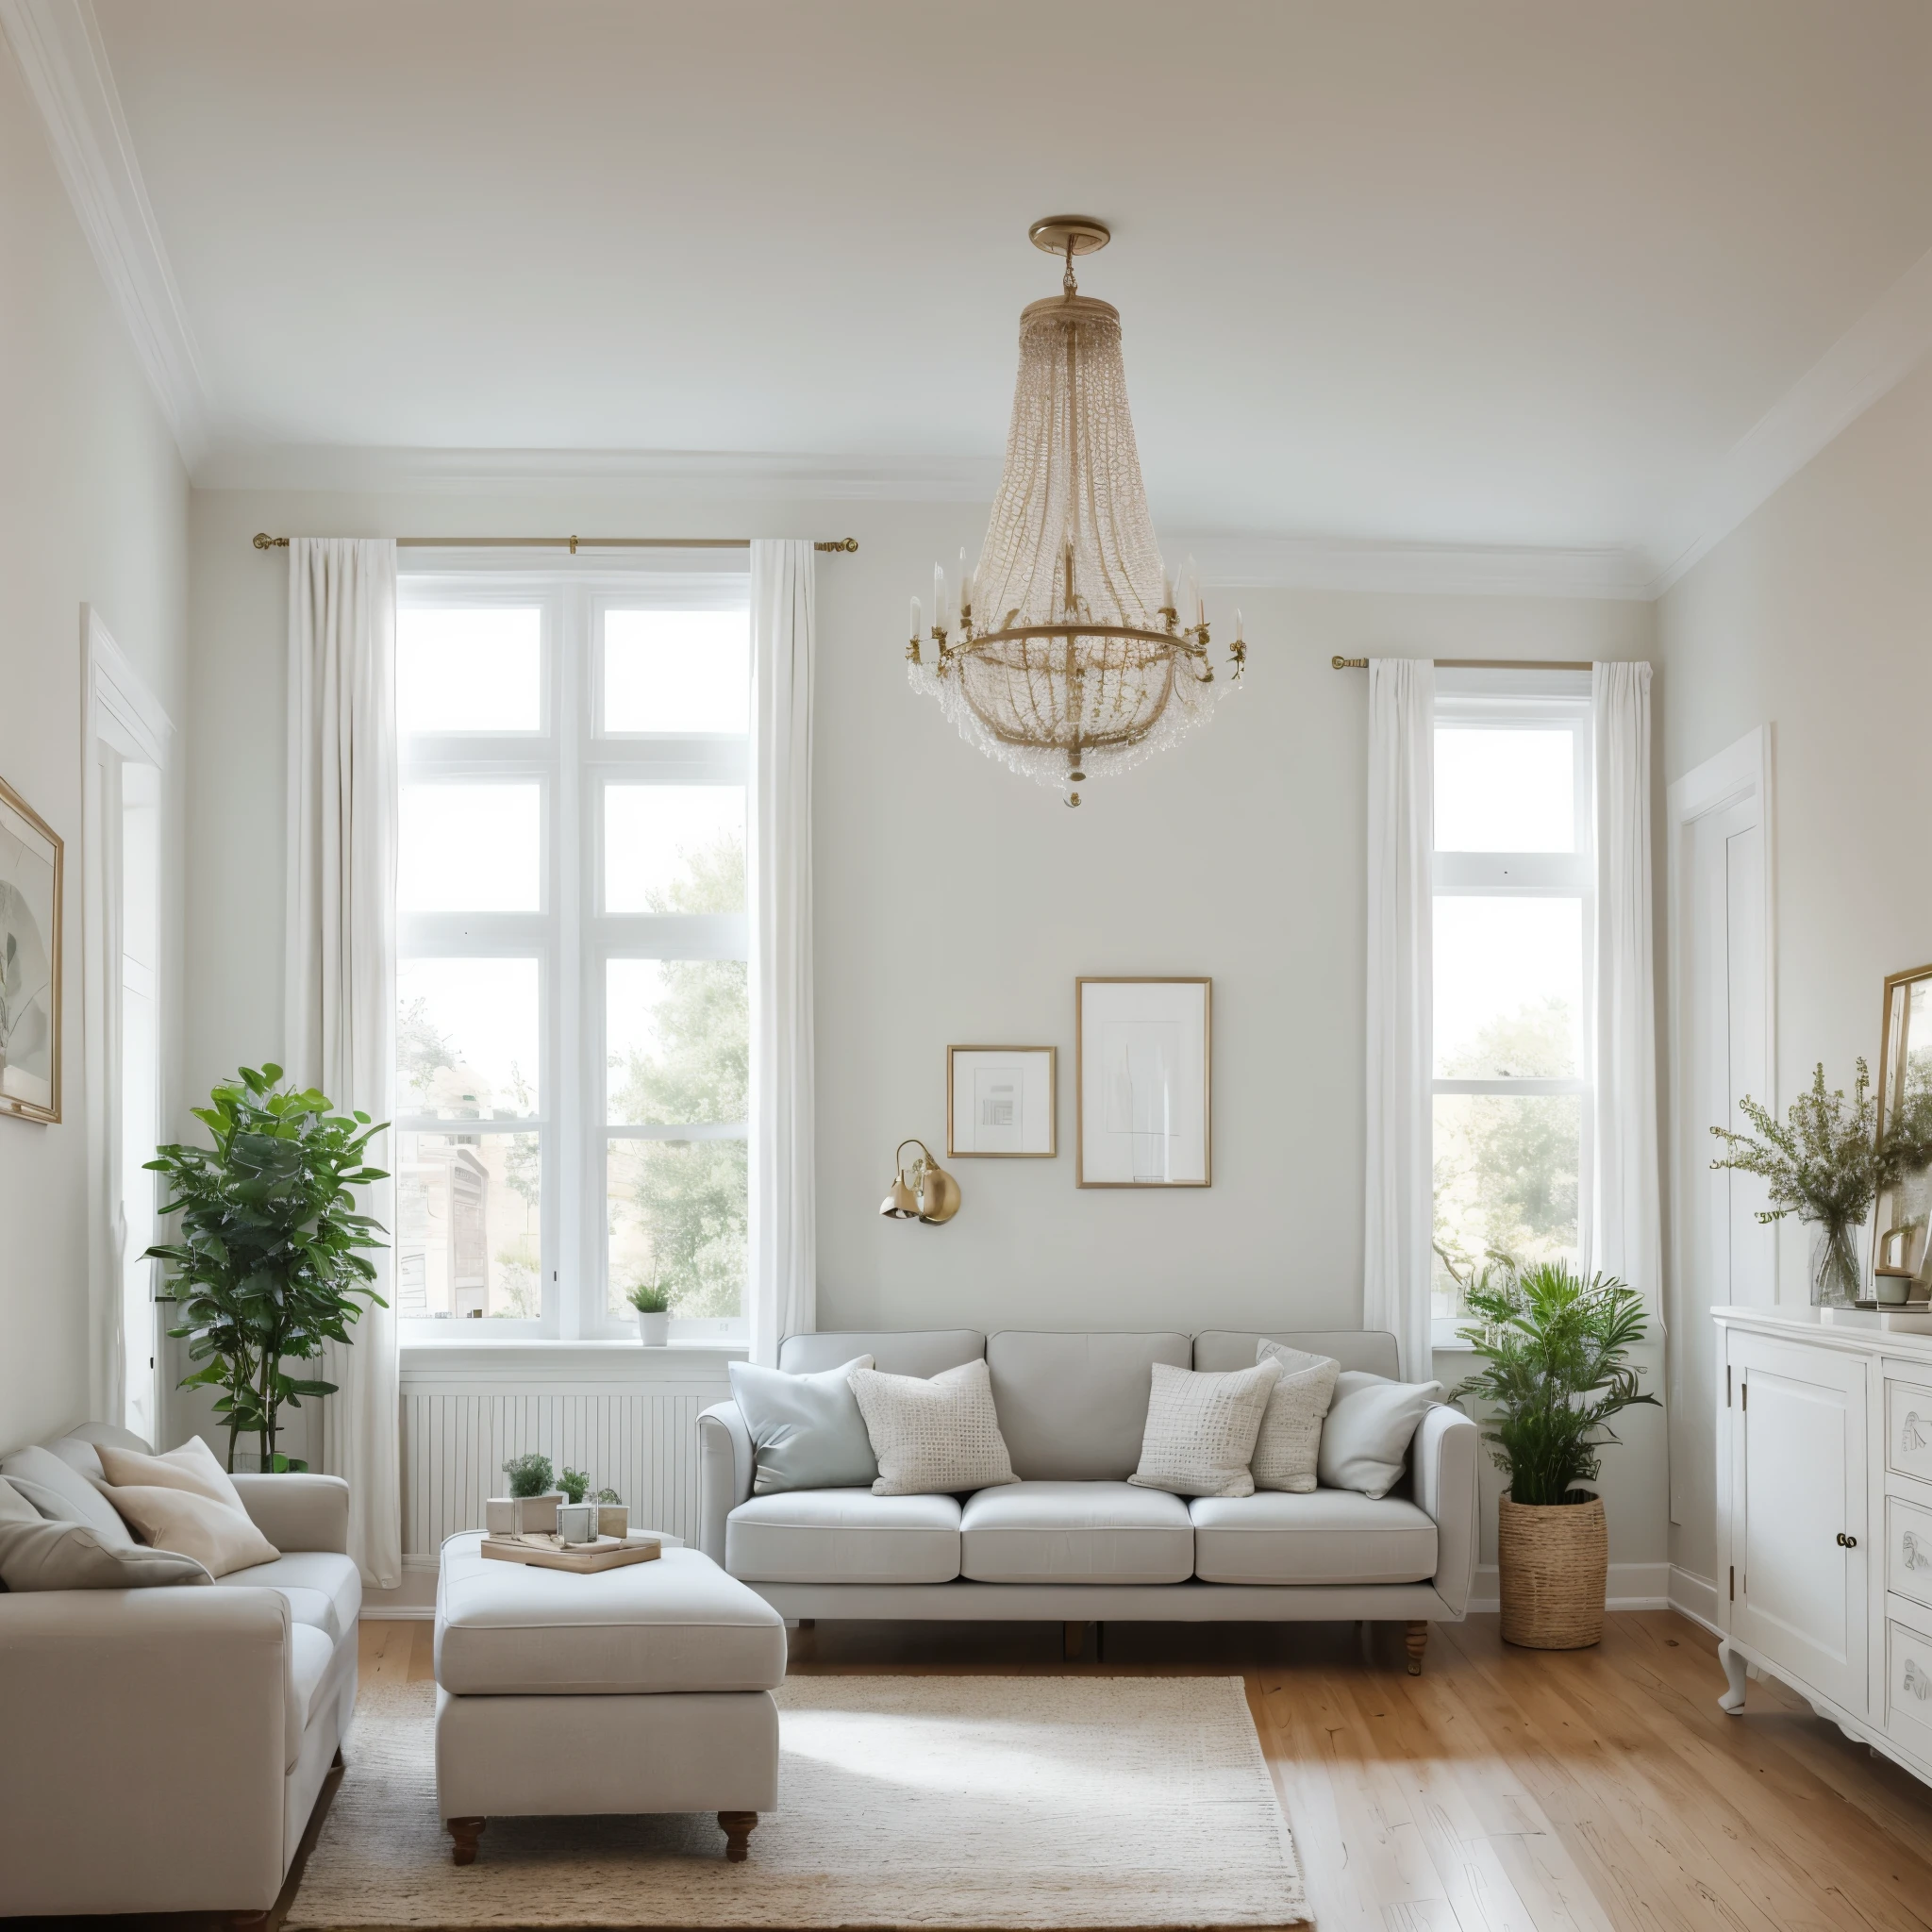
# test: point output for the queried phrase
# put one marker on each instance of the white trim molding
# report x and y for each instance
(1455, 570)
(65, 62)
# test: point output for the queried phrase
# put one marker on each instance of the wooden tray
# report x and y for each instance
(606, 1553)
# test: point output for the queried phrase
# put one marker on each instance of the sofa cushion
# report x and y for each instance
(40, 1555)
(806, 1429)
(936, 1435)
(222, 1538)
(677, 1623)
(1073, 1408)
(325, 1589)
(917, 1352)
(14, 1508)
(844, 1536)
(1288, 1446)
(1371, 1349)
(1334, 1536)
(1366, 1433)
(62, 1494)
(310, 1653)
(79, 1448)
(1048, 1532)
(1201, 1429)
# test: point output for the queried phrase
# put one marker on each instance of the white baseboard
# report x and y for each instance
(1695, 1597)
(1632, 1587)
(413, 1598)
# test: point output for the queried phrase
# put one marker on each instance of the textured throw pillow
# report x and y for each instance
(194, 1467)
(807, 1429)
(62, 1495)
(1288, 1449)
(69, 1556)
(933, 1438)
(1201, 1429)
(1366, 1435)
(218, 1537)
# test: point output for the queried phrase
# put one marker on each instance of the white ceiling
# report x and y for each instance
(1447, 272)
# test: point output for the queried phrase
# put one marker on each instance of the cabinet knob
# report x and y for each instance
(1847, 1543)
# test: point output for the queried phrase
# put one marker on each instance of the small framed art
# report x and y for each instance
(30, 866)
(1000, 1102)
(1143, 1052)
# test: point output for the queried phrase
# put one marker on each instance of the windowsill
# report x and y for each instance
(543, 1356)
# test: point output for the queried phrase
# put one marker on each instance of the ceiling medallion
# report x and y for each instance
(1080, 666)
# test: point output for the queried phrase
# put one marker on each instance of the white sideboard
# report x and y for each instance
(1824, 1521)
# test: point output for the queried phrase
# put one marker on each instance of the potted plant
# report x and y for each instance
(534, 1493)
(1826, 1165)
(1557, 1350)
(271, 1257)
(653, 1304)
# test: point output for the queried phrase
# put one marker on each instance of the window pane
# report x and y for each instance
(677, 670)
(468, 1242)
(1506, 1170)
(677, 1042)
(674, 848)
(469, 670)
(467, 1039)
(675, 1218)
(1509, 987)
(1504, 791)
(471, 848)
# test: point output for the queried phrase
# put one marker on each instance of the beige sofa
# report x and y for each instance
(1073, 1540)
(162, 1750)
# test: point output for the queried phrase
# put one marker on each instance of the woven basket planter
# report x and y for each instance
(1553, 1561)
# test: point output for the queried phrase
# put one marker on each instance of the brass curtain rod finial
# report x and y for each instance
(264, 541)
(838, 544)
(1349, 663)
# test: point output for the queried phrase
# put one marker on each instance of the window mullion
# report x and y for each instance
(566, 885)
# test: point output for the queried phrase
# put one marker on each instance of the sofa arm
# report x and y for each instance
(726, 1462)
(115, 1700)
(1444, 1466)
(298, 1512)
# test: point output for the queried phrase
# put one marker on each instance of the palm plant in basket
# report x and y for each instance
(1556, 1368)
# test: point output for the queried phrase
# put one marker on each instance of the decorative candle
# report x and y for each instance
(965, 583)
(1194, 595)
(917, 614)
(941, 615)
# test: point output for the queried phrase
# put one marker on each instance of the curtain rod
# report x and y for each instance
(1476, 664)
(264, 541)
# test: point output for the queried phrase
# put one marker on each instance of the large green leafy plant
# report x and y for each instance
(1556, 1368)
(271, 1260)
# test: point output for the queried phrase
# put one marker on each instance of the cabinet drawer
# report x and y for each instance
(1908, 1429)
(1908, 1549)
(1908, 1686)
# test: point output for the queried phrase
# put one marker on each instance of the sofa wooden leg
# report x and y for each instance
(738, 1828)
(1418, 1641)
(1073, 1641)
(465, 1831)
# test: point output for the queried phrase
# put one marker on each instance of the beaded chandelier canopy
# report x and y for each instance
(1066, 656)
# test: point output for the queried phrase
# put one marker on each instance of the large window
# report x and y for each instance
(1514, 909)
(572, 1039)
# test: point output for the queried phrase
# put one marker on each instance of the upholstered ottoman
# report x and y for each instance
(645, 1689)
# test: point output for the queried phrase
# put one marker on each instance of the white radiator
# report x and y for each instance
(645, 1446)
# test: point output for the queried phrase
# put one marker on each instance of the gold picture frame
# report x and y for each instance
(1902, 1215)
(1113, 1147)
(1030, 1109)
(32, 863)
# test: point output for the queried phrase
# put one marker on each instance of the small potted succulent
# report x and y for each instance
(653, 1304)
(534, 1496)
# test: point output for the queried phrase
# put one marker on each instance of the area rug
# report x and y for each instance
(996, 1802)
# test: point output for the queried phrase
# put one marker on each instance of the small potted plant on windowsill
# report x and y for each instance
(1557, 1350)
(653, 1313)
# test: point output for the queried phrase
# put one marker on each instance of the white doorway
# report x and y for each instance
(1722, 1048)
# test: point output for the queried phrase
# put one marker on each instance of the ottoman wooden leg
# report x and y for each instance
(466, 1831)
(737, 1827)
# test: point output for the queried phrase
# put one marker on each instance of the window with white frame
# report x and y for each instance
(1513, 922)
(572, 1026)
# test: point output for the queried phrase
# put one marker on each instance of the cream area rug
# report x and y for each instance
(993, 1802)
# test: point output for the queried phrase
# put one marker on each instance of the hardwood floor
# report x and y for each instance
(1502, 1790)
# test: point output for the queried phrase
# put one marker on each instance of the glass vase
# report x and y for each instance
(1836, 1279)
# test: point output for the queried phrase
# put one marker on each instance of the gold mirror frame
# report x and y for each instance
(1902, 1216)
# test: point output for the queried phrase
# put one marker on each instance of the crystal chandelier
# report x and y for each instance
(1066, 656)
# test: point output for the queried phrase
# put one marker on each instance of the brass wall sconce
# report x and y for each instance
(922, 1189)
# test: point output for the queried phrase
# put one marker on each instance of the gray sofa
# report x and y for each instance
(162, 1750)
(1073, 1540)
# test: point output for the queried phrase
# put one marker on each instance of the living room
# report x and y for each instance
(979, 1009)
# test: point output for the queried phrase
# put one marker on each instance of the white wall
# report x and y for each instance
(94, 509)
(957, 902)
(1816, 615)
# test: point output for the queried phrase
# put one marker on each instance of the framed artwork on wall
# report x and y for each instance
(1001, 1102)
(1142, 1053)
(30, 868)
(1902, 1214)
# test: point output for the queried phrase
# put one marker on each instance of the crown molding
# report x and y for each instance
(1872, 357)
(65, 62)
(1453, 570)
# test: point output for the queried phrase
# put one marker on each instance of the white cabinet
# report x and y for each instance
(1799, 1584)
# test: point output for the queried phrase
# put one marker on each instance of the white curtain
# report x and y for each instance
(1626, 1222)
(783, 1262)
(341, 1011)
(1399, 1193)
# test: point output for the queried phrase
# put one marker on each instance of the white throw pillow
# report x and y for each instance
(62, 1495)
(1201, 1429)
(933, 1438)
(1369, 1427)
(805, 1431)
(71, 1556)
(1288, 1448)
